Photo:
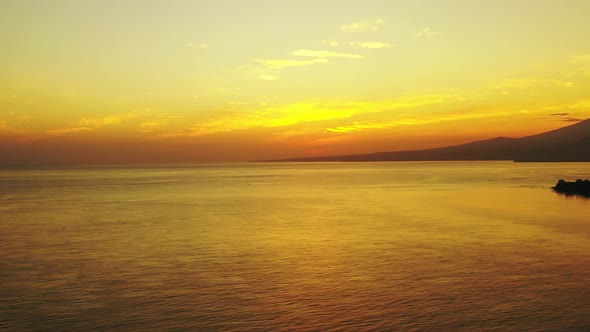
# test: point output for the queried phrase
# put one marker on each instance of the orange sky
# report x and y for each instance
(129, 81)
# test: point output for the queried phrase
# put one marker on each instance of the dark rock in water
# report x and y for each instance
(579, 187)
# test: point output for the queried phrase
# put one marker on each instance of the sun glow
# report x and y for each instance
(270, 81)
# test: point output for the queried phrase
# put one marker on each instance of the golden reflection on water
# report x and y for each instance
(381, 246)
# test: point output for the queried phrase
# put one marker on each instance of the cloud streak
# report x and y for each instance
(363, 26)
(530, 83)
(90, 124)
(153, 125)
(201, 45)
(427, 32)
(370, 44)
(284, 63)
(272, 69)
(304, 112)
(325, 54)
(366, 125)
(576, 110)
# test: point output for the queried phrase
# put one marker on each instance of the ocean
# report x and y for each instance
(392, 246)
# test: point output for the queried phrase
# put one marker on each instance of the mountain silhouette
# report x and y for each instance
(571, 143)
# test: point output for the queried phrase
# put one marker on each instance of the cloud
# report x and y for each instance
(370, 44)
(361, 44)
(289, 114)
(153, 125)
(580, 105)
(269, 117)
(272, 68)
(268, 77)
(580, 58)
(201, 45)
(575, 111)
(157, 122)
(580, 65)
(11, 128)
(65, 131)
(565, 84)
(363, 26)
(325, 54)
(89, 124)
(358, 126)
(518, 83)
(427, 32)
(303, 112)
(367, 125)
(146, 122)
(529, 82)
(566, 117)
(107, 120)
(283, 63)
(333, 43)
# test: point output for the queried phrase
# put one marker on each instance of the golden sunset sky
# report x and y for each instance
(144, 81)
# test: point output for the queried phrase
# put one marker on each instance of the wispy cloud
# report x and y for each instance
(107, 120)
(575, 111)
(581, 105)
(268, 77)
(333, 43)
(66, 131)
(283, 63)
(11, 128)
(270, 117)
(566, 117)
(580, 58)
(370, 44)
(578, 105)
(304, 112)
(427, 32)
(153, 125)
(325, 54)
(200, 45)
(272, 68)
(530, 83)
(518, 83)
(89, 124)
(361, 44)
(565, 84)
(362, 26)
(580, 66)
(157, 122)
(368, 125)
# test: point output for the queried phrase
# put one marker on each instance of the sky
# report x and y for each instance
(151, 82)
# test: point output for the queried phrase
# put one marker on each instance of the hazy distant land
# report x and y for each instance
(571, 143)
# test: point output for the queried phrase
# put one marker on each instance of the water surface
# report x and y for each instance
(408, 246)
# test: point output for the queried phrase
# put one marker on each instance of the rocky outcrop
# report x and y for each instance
(579, 187)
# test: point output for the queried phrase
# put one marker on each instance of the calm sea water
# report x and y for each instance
(435, 246)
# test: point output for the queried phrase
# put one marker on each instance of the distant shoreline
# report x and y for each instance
(196, 165)
(566, 144)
